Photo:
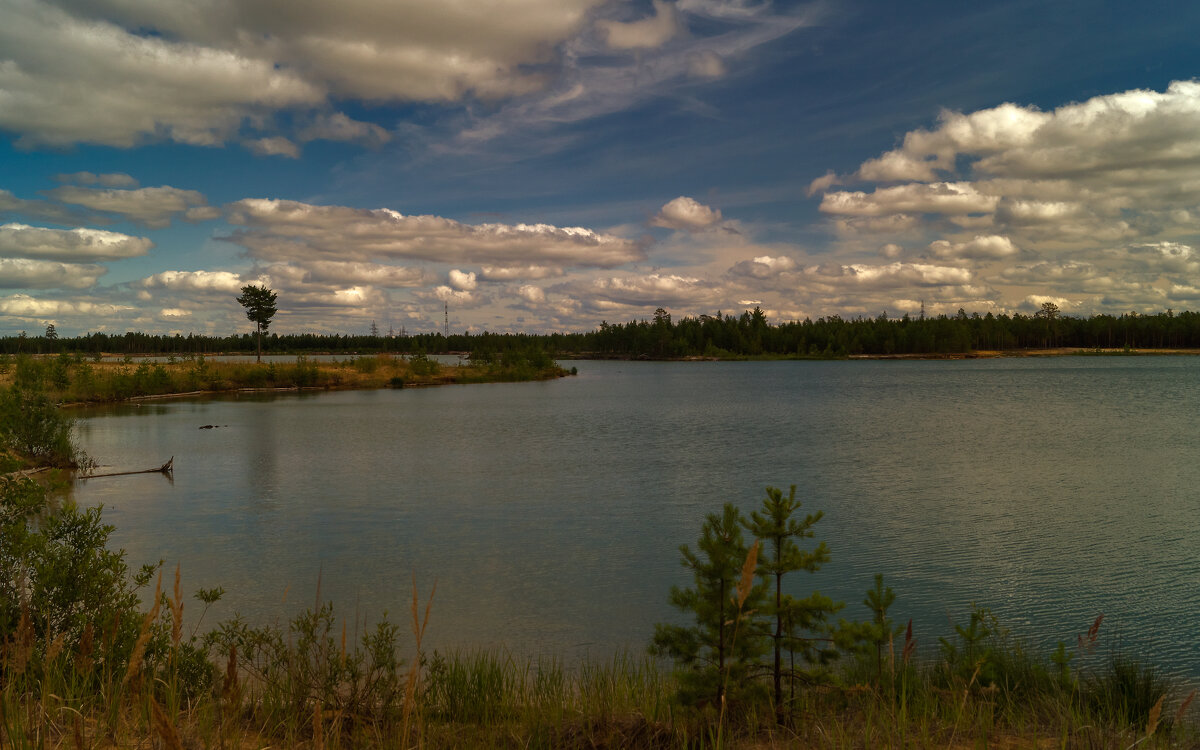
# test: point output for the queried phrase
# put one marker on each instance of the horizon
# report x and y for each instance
(588, 160)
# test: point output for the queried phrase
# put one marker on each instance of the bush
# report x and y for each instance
(32, 426)
(58, 580)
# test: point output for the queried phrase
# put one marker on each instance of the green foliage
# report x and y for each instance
(800, 626)
(57, 573)
(1126, 690)
(717, 655)
(259, 302)
(421, 365)
(313, 663)
(33, 426)
(880, 631)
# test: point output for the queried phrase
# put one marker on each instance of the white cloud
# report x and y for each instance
(532, 294)
(152, 206)
(938, 198)
(23, 273)
(649, 32)
(339, 127)
(90, 72)
(274, 146)
(67, 78)
(196, 281)
(289, 230)
(686, 213)
(982, 247)
(763, 267)
(462, 280)
(512, 273)
(34, 308)
(26, 241)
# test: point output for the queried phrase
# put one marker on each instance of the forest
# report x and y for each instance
(722, 336)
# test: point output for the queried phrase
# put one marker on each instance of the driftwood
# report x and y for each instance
(166, 470)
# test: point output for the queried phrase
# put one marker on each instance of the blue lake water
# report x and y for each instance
(550, 514)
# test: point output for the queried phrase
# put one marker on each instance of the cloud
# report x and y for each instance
(274, 146)
(938, 198)
(687, 214)
(67, 78)
(644, 33)
(532, 294)
(34, 308)
(151, 207)
(291, 230)
(117, 179)
(345, 273)
(23, 273)
(989, 247)
(763, 267)
(339, 127)
(707, 64)
(511, 273)
(651, 290)
(462, 281)
(10, 205)
(122, 73)
(69, 245)
(225, 282)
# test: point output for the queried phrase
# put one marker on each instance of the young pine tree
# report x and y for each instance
(719, 652)
(800, 625)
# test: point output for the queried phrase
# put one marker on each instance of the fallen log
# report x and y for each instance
(166, 470)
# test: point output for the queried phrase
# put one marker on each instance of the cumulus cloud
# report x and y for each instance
(152, 206)
(651, 289)
(292, 230)
(67, 78)
(23, 273)
(763, 267)
(339, 127)
(111, 179)
(534, 295)
(274, 146)
(195, 281)
(643, 33)
(687, 214)
(982, 247)
(938, 198)
(512, 273)
(1106, 182)
(462, 280)
(89, 72)
(34, 308)
(10, 205)
(26, 241)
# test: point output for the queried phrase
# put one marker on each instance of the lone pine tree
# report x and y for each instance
(259, 302)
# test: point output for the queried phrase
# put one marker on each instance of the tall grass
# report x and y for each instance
(66, 379)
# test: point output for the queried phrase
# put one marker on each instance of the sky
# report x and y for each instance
(545, 165)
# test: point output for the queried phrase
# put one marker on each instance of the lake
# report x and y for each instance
(550, 514)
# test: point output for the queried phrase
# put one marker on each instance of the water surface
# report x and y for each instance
(550, 513)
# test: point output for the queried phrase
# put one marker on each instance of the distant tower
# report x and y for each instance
(922, 309)
(447, 320)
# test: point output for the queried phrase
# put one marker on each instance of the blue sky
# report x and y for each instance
(542, 165)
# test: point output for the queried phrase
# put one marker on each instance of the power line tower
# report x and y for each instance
(447, 324)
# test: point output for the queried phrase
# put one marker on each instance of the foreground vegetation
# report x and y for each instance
(93, 654)
(68, 378)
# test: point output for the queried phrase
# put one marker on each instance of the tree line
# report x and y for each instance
(749, 334)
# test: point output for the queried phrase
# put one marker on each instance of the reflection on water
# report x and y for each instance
(550, 513)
